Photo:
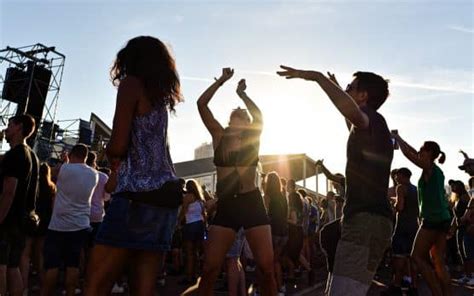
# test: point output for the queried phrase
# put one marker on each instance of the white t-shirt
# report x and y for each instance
(72, 205)
(98, 198)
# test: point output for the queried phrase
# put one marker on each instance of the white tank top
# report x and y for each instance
(194, 212)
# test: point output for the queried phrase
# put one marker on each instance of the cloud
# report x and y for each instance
(461, 29)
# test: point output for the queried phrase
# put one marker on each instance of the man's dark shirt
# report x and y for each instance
(369, 158)
(17, 164)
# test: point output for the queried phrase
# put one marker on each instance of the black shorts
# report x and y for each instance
(402, 243)
(61, 247)
(242, 210)
(194, 232)
(12, 243)
(442, 226)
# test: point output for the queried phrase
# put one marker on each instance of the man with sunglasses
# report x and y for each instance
(366, 223)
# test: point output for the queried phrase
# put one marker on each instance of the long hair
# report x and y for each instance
(149, 60)
(458, 190)
(193, 188)
(44, 178)
(272, 184)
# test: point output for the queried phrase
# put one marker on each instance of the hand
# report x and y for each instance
(395, 135)
(291, 73)
(464, 154)
(65, 157)
(332, 77)
(319, 162)
(227, 74)
(241, 87)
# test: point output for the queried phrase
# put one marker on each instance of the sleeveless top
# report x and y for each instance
(245, 156)
(434, 206)
(407, 219)
(148, 163)
(194, 212)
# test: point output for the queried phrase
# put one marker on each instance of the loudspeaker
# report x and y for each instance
(15, 85)
(38, 91)
(85, 132)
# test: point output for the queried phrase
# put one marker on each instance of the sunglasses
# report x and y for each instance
(349, 87)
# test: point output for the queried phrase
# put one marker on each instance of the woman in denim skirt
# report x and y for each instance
(134, 232)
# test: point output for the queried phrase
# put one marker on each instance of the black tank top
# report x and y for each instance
(245, 156)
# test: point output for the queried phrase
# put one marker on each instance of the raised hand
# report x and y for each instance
(332, 77)
(464, 154)
(290, 73)
(241, 87)
(227, 74)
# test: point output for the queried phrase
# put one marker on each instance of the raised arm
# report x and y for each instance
(410, 152)
(328, 174)
(343, 102)
(212, 125)
(257, 118)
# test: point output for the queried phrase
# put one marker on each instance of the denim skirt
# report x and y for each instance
(134, 225)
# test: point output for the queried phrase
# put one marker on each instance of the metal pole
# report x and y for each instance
(304, 171)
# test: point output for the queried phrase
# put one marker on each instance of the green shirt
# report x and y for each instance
(431, 199)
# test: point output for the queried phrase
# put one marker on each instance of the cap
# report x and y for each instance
(467, 162)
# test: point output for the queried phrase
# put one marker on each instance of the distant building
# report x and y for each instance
(205, 150)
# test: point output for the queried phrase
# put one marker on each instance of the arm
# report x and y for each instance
(401, 193)
(257, 118)
(343, 102)
(8, 194)
(128, 93)
(410, 152)
(212, 125)
(328, 174)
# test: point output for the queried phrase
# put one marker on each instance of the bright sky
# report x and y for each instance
(424, 47)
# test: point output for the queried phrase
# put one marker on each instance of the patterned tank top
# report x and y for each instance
(148, 163)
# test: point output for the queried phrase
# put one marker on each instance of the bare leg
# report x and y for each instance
(72, 280)
(438, 252)
(425, 239)
(15, 283)
(260, 242)
(233, 276)
(220, 241)
(49, 284)
(25, 261)
(3, 280)
(105, 266)
(145, 268)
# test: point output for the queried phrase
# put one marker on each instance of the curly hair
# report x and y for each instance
(149, 60)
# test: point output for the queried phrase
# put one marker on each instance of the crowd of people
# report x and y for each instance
(104, 223)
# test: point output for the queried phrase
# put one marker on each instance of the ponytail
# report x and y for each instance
(442, 158)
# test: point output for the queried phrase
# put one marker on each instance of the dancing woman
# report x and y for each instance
(240, 204)
(430, 244)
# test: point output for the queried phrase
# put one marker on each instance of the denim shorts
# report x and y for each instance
(134, 225)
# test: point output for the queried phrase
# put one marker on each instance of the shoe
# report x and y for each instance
(249, 268)
(462, 280)
(392, 291)
(282, 289)
(470, 283)
(117, 289)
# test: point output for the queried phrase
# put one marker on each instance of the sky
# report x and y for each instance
(425, 48)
